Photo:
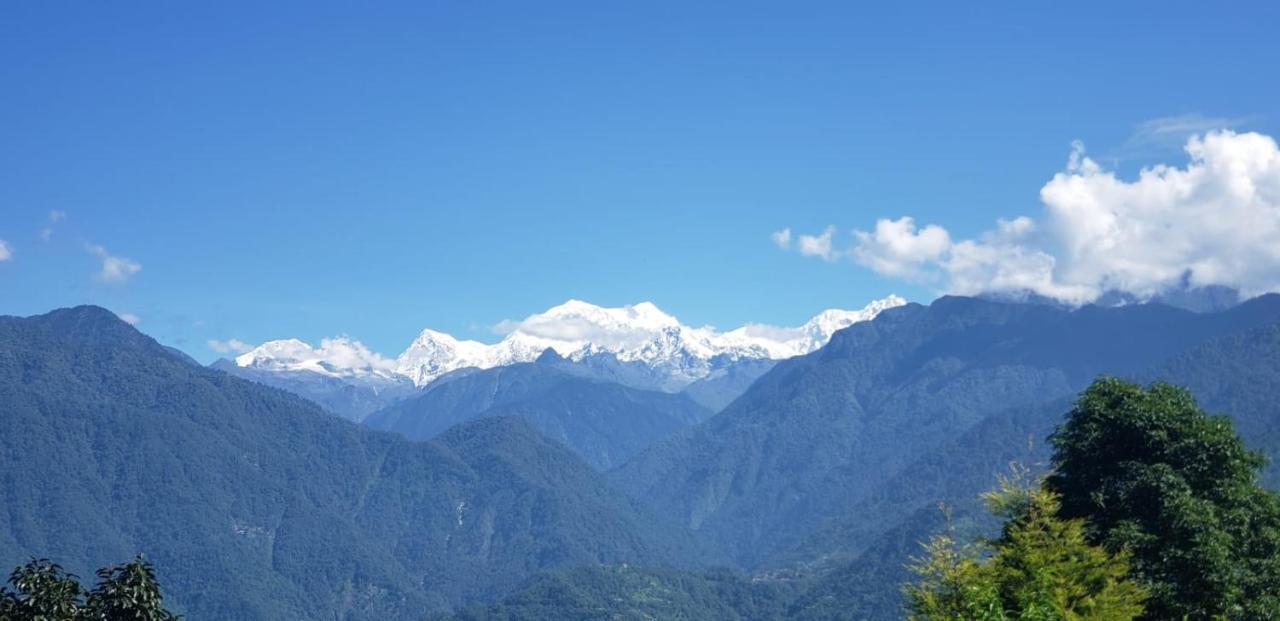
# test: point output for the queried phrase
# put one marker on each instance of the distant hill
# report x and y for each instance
(605, 423)
(254, 503)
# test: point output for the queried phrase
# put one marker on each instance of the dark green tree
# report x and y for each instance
(1154, 475)
(44, 592)
(127, 592)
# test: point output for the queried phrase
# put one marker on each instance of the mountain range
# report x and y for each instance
(574, 486)
(638, 345)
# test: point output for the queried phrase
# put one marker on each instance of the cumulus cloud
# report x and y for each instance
(229, 346)
(130, 318)
(898, 248)
(115, 269)
(6, 253)
(1214, 221)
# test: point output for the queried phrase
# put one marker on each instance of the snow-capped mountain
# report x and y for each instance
(341, 375)
(335, 357)
(635, 333)
(674, 355)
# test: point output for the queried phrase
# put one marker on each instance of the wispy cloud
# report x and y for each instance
(129, 318)
(1167, 134)
(229, 346)
(55, 216)
(6, 252)
(115, 269)
(1215, 221)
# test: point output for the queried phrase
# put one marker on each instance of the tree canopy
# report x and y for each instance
(44, 592)
(1154, 475)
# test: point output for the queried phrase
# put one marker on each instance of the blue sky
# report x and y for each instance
(313, 170)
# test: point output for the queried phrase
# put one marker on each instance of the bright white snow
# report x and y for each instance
(635, 333)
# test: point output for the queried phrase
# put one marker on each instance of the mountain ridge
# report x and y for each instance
(819, 432)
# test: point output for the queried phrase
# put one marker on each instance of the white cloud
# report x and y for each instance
(575, 323)
(114, 269)
(345, 353)
(229, 346)
(1215, 221)
(6, 253)
(818, 245)
(782, 238)
(129, 318)
(897, 248)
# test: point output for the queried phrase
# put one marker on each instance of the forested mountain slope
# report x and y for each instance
(254, 503)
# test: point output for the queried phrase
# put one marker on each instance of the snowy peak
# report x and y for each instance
(636, 333)
(574, 330)
(576, 324)
(434, 353)
(335, 357)
(782, 342)
(829, 321)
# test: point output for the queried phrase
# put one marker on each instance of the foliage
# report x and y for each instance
(1152, 473)
(44, 592)
(1041, 568)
